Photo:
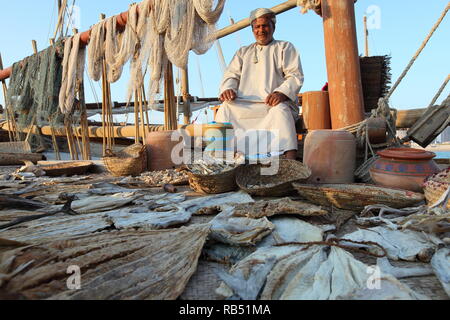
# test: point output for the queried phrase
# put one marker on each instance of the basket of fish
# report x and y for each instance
(271, 180)
(436, 187)
(212, 178)
(131, 161)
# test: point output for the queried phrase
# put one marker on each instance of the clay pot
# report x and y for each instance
(316, 110)
(159, 150)
(403, 168)
(331, 155)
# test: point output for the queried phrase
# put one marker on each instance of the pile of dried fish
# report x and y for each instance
(202, 167)
(115, 265)
(316, 273)
(159, 178)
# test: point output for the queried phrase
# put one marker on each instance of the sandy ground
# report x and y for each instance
(438, 147)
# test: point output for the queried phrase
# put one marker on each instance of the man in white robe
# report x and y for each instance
(260, 88)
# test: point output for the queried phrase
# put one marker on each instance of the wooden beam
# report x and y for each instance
(283, 7)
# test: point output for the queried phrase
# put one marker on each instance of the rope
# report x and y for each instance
(424, 43)
(438, 94)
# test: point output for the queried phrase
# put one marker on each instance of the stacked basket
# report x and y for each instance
(131, 161)
(435, 186)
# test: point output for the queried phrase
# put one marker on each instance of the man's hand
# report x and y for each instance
(228, 95)
(275, 99)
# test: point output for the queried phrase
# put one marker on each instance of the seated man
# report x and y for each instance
(260, 86)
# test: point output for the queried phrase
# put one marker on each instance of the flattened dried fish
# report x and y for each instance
(239, 231)
(441, 266)
(195, 205)
(115, 265)
(280, 206)
(399, 273)
(103, 203)
(143, 219)
(400, 245)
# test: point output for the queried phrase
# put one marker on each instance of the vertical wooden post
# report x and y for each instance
(186, 95)
(344, 74)
(366, 38)
(170, 116)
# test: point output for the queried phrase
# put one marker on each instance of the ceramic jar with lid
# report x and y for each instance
(404, 168)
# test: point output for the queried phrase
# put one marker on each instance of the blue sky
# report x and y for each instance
(399, 32)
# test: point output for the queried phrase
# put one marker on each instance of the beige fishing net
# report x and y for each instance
(157, 31)
(73, 71)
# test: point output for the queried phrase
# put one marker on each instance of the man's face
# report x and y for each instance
(263, 30)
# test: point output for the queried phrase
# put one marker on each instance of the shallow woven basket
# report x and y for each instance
(214, 183)
(67, 168)
(250, 179)
(356, 196)
(131, 161)
(436, 185)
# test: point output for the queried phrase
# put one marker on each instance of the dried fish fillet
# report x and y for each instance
(399, 273)
(142, 219)
(441, 266)
(400, 244)
(103, 203)
(280, 206)
(291, 229)
(239, 231)
(115, 265)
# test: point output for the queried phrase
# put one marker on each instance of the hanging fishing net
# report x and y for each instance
(157, 31)
(35, 85)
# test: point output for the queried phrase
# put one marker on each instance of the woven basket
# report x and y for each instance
(356, 196)
(131, 161)
(436, 185)
(214, 183)
(250, 179)
(67, 168)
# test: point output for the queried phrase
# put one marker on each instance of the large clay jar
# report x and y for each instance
(331, 156)
(162, 151)
(404, 168)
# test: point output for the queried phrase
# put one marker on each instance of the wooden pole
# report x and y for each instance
(344, 74)
(186, 95)
(366, 38)
(9, 113)
(283, 7)
(169, 100)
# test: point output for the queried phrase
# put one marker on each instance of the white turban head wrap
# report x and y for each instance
(258, 13)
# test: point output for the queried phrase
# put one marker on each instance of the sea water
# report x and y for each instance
(442, 154)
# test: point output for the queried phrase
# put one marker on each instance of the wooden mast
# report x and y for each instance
(344, 74)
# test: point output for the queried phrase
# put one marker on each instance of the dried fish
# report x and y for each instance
(115, 265)
(291, 229)
(144, 220)
(246, 267)
(239, 231)
(103, 203)
(311, 274)
(229, 198)
(159, 178)
(441, 266)
(400, 245)
(279, 206)
(226, 254)
(399, 273)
